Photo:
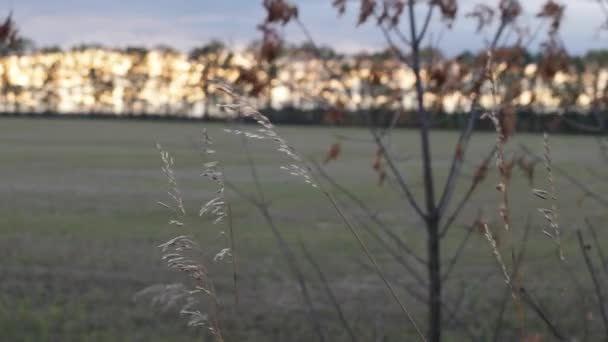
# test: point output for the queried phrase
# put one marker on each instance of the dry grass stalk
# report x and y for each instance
(180, 252)
(498, 257)
(551, 215)
(300, 169)
(504, 169)
(268, 131)
(212, 170)
(173, 191)
(501, 139)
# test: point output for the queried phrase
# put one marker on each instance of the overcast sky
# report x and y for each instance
(187, 23)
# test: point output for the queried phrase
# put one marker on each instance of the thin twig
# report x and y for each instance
(292, 262)
(427, 20)
(465, 134)
(453, 260)
(330, 294)
(594, 277)
(516, 271)
(527, 298)
(374, 263)
(598, 247)
(235, 273)
(369, 213)
(465, 199)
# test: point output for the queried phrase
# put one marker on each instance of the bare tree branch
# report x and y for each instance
(598, 246)
(465, 134)
(288, 254)
(594, 277)
(425, 26)
(465, 199)
(516, 268)
(370, 214)
(529, 300)
(330, 294)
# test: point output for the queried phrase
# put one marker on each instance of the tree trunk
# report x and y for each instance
(434, 287)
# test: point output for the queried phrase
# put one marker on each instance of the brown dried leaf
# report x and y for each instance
(279, 11)
(337, 112)
(272, 43)
(481, 172)
(508, 121)
(509, 10)
(554, 59)
(366, 10)
(448, 8)
(391, 12)
(553, 11)
(484, 15)
(333, 153)
(340, 5)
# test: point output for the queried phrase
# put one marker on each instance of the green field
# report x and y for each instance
(79, 226)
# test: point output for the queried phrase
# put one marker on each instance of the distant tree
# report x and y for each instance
(466, 57)
(597, 56)
(11, 41)
(323, 52)
(50, 49)
(19, 46)
(86, 46)
(136, 50)
(214, 46)
(166, 49)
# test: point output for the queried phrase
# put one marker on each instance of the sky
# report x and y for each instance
(184, 24)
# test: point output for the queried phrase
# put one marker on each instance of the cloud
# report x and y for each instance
(187, 23)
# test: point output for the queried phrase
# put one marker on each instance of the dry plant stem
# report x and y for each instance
(499, 258)
(235, 269)
(368, 212)
(502, 187)
(414, 293)
(395, 253)
(330, 294)
(398, 175)
(465, 199)
(582, 292)
(295, 268)
(306, 173)
(377, 137)
(596, 282)
(467, 131)
(516, 274)
(500, 147)
(177, 259)
(425, 26)
(292, 262)
(552, 217)
(396, 50)
(583, 187)
(374, 263)
(598, 247)
(527, 298)
(453, 260)
(595, 174)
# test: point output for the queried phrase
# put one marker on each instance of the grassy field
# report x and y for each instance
(79, 226)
